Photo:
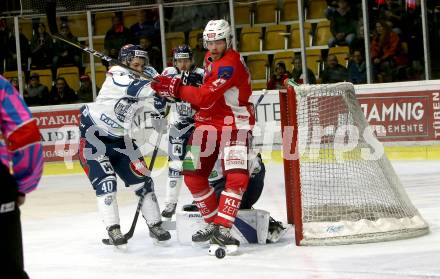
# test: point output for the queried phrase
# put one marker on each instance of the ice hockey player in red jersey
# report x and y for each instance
(223, 125)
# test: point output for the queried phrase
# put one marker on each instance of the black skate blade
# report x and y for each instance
(122, 247)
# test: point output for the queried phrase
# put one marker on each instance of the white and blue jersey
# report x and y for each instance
(182, 113)
(121, 97)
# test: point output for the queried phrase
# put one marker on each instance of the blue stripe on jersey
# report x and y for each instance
(246, 230)
(11, 110)
(119, 84)
(136, 86)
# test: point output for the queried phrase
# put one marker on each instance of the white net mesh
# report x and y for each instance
(349, 191)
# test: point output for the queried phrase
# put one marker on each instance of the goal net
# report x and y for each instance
(340, 186)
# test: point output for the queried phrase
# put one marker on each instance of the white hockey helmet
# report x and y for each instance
(217, 30)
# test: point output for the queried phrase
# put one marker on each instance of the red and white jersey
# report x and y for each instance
(223, 99)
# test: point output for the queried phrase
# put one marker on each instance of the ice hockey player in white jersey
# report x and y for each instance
(181, 126)
(106, 148)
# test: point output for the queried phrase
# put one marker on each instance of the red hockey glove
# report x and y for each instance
(166, 87)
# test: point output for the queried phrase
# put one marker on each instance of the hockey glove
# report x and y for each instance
(192, 79)
(166, 87)
(159, 122)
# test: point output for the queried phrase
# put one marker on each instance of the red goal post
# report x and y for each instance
(340, 186)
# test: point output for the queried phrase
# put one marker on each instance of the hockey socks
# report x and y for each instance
(229, 204)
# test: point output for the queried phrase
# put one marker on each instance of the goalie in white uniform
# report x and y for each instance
(106, 148)
(182, 123)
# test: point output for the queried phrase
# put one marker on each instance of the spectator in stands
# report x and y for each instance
(41, 48)
(4, 43)
(61, 93)
(279, 77)
(154, 53)
(8, 56)
(147, 26)
(11, 50)
(37, 93)
(413, 35)
(117, 36)
(65, 54)
(333, 72)
(385, 52)
(14, 82)
(357, 71)
(199, 52)
(85, 92)
(332, 5)
(343, 24)
(391, 13)
(297, 72)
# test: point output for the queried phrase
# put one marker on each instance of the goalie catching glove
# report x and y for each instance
(167, 87)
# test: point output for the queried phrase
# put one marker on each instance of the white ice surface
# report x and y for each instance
(62, 238)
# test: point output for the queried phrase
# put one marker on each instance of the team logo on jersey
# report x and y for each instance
(225, 72)
(139, 168)
(124, 109)
(110, 122)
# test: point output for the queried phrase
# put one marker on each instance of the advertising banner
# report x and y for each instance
(397, 117)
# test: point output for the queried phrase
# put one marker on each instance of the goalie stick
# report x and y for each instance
(130, 233)
(51, 20)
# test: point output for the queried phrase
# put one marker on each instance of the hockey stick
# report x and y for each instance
(130, 232)
(51, 20)
(261, 98)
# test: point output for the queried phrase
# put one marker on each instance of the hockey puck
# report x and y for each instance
(220, 253)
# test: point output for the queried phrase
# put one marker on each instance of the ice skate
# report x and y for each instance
(222, 242)
(276, 231)
(169, 211)
(116, 238)
(203, 235)
(159, 234)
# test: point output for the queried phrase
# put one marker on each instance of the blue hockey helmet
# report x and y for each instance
(182, 52)
(128, 52)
